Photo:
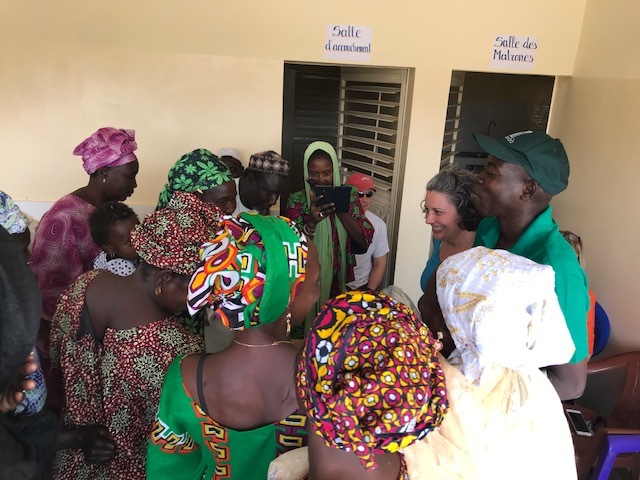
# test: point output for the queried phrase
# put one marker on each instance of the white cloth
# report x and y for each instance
(501, 309)
(379, 247)
(513, 426)
(118, 266)
(230, 152)
(239, 205)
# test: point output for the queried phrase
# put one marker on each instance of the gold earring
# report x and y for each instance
(288, 323)
(158, 291)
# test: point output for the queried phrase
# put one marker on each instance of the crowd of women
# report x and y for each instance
(132, 394)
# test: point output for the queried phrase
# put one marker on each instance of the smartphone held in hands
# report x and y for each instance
(339, 196)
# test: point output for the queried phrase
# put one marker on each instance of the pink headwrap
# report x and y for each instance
(108, 147)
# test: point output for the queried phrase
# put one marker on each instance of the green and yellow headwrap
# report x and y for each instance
(198, 170)
(250, 272)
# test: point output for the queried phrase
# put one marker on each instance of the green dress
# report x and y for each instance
(186, 443)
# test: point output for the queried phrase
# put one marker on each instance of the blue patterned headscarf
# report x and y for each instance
(11, 217)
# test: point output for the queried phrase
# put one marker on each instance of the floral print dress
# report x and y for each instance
(115, 383)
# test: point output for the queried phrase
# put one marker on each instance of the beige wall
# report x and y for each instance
(599, 126)
(203, 73)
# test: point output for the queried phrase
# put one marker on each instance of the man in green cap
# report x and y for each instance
(522, 173)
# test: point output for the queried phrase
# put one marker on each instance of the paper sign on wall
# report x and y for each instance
(514, 52)
(348, 42)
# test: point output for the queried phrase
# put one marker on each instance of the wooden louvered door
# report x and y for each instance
(372, 134)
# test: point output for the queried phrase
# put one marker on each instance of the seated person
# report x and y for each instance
(338, 236)
(229, 413)
(370, 382)
(261, 183)
(111, 225)
(113, 338)
(370, 266)
(500, 314)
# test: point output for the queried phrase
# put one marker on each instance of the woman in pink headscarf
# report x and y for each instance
(63, 248)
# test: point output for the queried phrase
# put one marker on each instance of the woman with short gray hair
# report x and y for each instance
(448, 209)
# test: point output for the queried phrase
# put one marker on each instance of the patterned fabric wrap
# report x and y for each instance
(269, 162)
(501, 309)
(107, 147)
(115, 382)
(62, 250)
(251, 270)
(198, 170)
(170, 238)
(11, 217)
(369, 376)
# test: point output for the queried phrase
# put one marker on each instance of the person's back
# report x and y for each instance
(234, 411)
(240, 393)
(113, 338)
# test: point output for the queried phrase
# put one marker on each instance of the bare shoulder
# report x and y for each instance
(102, 288)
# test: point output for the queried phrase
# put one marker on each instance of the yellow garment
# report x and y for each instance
(512, 426)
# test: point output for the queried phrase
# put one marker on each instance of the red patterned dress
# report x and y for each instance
(115, 383)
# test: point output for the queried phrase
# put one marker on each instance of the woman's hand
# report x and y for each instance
(97, 444)
(14, 394)
(317, 213)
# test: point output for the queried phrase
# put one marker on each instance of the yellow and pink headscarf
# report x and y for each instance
(369, 376)
(250, 272)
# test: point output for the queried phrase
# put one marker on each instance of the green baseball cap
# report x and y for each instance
(542, 156)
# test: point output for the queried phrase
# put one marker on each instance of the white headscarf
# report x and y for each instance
(501, 309)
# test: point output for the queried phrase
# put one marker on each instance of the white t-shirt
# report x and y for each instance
(379, 247)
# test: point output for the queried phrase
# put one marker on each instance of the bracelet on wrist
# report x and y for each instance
(308, 231)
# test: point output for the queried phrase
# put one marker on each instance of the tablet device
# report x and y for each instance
(339, 196)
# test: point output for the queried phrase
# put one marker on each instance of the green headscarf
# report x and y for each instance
(198, 170)
(322, 238)
(250, 272)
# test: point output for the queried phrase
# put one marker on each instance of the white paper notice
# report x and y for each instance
(348, 42)
(513, 52)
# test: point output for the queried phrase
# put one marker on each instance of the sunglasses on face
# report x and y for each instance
(363, 194)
